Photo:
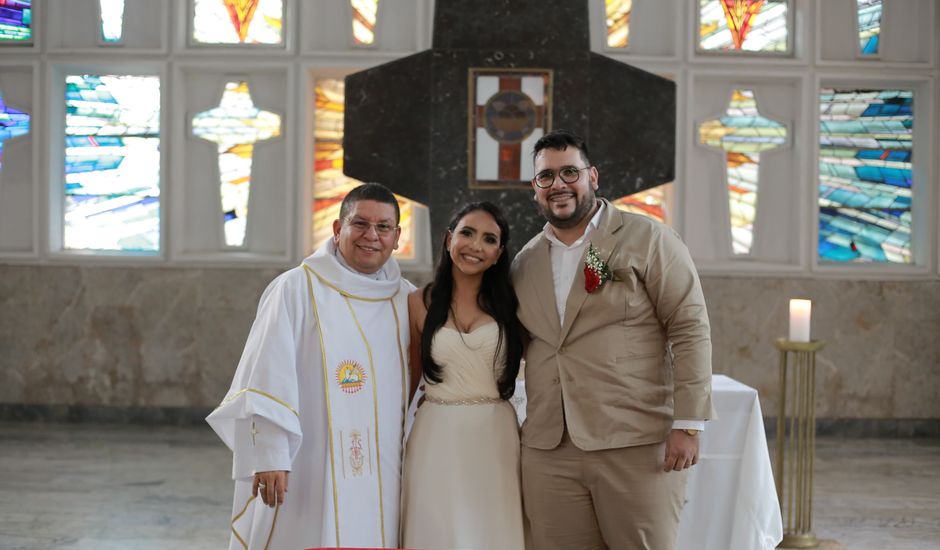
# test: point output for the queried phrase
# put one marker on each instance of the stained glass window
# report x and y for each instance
(112, 163)
(16, 20)
(330, 185)
(618, 23)
(865, 177)
(112, 20)
(869, 25)
(743, 25)
(653, 203)
(238, 21)
(235, 126)
(13, 123)
(365, 13)
(742, 133)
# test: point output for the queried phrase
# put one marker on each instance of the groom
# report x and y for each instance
(618, 369)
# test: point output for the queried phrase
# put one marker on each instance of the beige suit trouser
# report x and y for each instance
(615, 498)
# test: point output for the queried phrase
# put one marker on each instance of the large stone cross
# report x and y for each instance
(411, 123)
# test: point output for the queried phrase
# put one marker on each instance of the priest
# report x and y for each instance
(315, 413)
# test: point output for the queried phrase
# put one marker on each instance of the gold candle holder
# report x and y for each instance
(796, 441)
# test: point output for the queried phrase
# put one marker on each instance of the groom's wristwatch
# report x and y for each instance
(691, 432)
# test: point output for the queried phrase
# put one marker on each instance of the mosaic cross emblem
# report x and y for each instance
(509, 113)
(13, 124)
(236, 125)
(742, 133)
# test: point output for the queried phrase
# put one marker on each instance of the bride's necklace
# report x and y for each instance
(464, 328)
(461, 330)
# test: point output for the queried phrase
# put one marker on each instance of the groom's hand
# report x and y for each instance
(681, 451)
(271, 486)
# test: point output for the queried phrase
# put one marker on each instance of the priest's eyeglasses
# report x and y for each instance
(362, 226)
(568, 174)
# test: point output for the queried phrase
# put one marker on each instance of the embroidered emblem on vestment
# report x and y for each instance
(351, 376)
(356, 457)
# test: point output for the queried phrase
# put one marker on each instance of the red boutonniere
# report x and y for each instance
(596, 271)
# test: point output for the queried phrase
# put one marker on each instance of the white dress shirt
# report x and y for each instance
(566, 260)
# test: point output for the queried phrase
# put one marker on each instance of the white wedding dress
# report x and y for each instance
(460, 486)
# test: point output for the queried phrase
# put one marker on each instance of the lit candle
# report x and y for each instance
(799, 320)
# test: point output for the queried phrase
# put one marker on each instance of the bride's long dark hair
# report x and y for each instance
(496, 298)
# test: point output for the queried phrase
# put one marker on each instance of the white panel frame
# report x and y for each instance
(339, 57)
(889, 34)
(724, 260)
(807, 65)
(390, 41)
(181, 147)
(55, 19)
(184, 35)
(796, 45)
(56, 71)
(36, 134)
(924, 171)
(597, 17)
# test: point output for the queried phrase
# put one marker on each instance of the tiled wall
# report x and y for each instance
(171, 337)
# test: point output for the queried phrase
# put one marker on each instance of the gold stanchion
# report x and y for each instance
(796, 441)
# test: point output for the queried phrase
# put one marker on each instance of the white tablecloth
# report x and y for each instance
(731, 500)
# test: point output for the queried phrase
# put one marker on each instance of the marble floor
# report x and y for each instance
(75, 486)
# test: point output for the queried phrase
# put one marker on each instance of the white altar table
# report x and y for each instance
(731, 500)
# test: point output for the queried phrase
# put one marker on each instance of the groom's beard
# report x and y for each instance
(583, 207)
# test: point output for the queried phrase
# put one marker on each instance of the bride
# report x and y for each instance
(461, 475)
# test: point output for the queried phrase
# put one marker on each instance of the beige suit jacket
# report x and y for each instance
(605, 373)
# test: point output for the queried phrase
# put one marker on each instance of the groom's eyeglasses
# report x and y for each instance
(568, 174)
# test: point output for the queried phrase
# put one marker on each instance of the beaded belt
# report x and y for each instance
(475, 401)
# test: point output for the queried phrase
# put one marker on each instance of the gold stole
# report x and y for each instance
(352, 399)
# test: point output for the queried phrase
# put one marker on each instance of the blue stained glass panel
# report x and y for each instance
(869, 26)
(13, 123)
(112, 163)
(16, 20)
(865, 175)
